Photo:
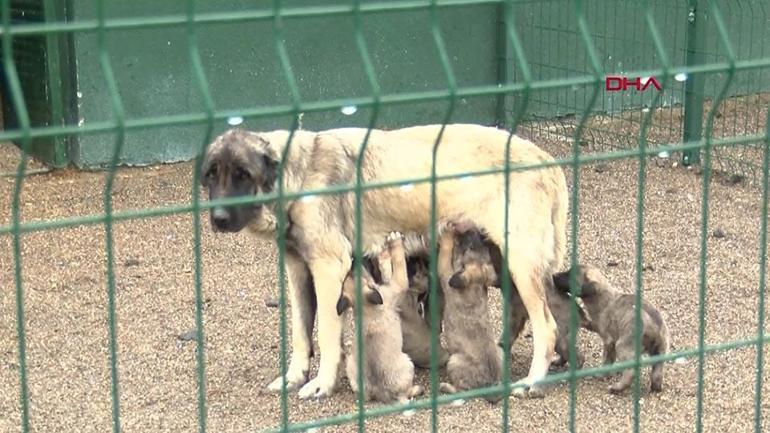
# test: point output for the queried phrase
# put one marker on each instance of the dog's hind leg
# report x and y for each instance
(530, 278)
(328, 275)
(303, 310)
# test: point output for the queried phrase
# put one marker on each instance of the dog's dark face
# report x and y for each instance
(237, 164)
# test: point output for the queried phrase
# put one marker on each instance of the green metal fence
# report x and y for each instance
(530, 90)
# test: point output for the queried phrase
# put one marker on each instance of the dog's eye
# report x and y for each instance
(212, 172)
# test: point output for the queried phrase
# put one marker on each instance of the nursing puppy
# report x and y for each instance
(414, 312)
(613, 317)
(320, 231)
(388, 372)
(560, 305)
(466, 270)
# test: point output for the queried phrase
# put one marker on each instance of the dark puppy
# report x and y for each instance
(614, 319)
(415, 315)
(414, 311)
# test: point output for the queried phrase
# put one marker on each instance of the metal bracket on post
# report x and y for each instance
(694, 84)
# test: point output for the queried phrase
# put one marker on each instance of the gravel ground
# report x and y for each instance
(66, 314)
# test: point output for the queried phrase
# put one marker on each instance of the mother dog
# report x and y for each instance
(321, 230)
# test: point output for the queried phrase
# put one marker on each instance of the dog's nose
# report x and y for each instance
(220, 216)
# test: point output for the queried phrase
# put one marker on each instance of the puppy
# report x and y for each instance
(560, 304)
(414, 312)
(614, 319)
(388, 372)
(466, 270)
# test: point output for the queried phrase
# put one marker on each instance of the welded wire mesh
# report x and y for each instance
(554, 57)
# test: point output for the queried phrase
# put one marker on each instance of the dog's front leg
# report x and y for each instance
(303, 310)
(328, 275)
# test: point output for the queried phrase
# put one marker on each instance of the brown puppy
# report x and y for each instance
(466, 271)
(614, 319)
(388, 371)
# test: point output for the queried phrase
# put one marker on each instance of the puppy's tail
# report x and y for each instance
(659, 347)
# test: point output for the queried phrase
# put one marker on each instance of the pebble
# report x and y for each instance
(190, 335)
(131, 262)
(271, 303)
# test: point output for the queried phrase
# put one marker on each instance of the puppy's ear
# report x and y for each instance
(457, 281)
(374, 297)
(561, 281)
(342, 304)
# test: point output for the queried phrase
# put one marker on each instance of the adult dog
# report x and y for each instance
(320, 230)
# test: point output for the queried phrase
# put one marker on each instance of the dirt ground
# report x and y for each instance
(66, 311)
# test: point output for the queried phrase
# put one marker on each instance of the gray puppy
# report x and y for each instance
(466, 271)
(388, 372)
(613, 317)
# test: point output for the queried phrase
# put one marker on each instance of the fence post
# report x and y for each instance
(694, 85)
(502, 65)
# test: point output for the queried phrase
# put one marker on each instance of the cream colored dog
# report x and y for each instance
(320, 230)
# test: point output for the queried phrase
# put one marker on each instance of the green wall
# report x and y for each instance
(152, 66)
(154, 76)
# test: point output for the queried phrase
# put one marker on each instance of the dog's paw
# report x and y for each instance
(316, 389)
(616, 389)
(525, 389)
(293, 381)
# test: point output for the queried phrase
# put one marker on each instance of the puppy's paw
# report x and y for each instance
(394, 237)
(616, 389)
(416, 391)
(316, 389)
(463, 225)
(384, 256)
(446, 234)
(447, 388)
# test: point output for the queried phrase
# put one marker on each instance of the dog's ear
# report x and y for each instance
(270, 172)
(205, 166)
(457, 281)
(374, 297)
(342, 304)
